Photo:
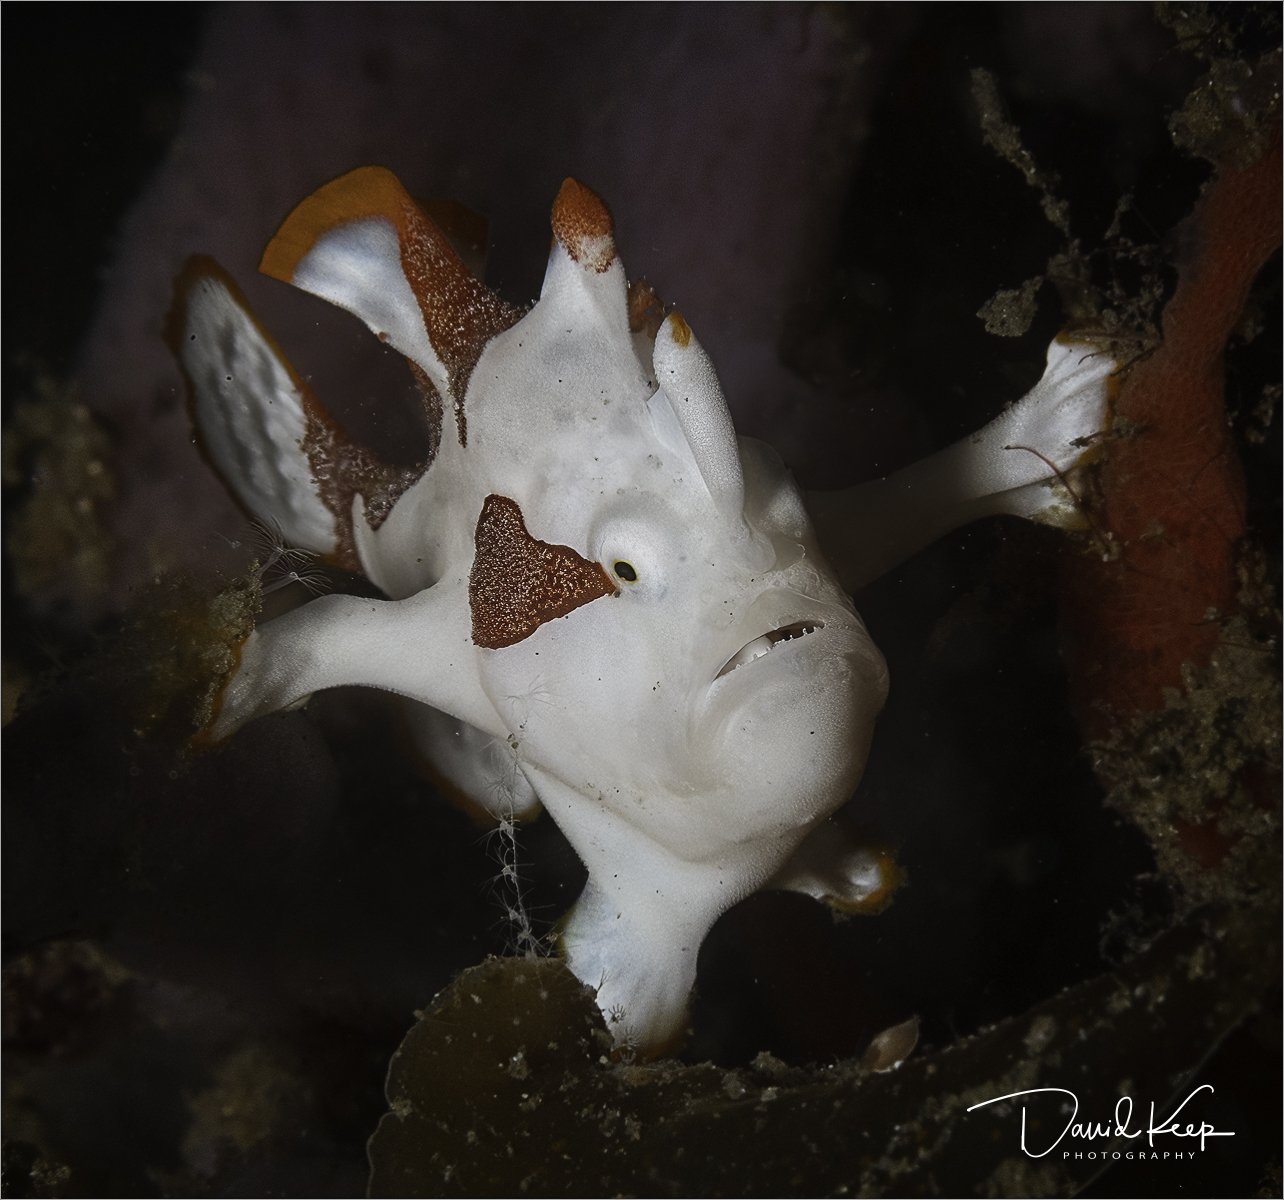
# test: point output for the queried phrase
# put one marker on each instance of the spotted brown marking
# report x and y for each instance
(433, 407)
(467, 230)
(344, 470)
(518, 582)
(582, 224)
(460, 313)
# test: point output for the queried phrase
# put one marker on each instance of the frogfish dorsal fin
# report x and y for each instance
(584, 282)
(583, 227)
(273, 443)
(517, 582)
(684, 371)
(363, 243)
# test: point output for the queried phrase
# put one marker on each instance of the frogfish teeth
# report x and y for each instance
(599, 598)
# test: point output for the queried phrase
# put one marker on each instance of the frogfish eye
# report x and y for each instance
(625, 571)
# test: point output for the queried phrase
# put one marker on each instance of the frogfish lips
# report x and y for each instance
(762, 645)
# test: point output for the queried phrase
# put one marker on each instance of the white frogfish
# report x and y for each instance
(599, 599)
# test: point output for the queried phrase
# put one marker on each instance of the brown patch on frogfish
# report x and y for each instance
(517, 582)
(679, 329)
(582, 225)
(344, 470)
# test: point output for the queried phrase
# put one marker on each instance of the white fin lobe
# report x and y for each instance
(249, 410)
(688, 378)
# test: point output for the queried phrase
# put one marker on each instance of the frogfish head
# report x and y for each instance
(715, 688)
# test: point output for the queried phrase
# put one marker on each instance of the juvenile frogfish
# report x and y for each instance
(599, 599)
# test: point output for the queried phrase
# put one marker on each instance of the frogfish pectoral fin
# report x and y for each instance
(413, 647)
(1018, 464)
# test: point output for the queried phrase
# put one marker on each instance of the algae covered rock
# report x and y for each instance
(504, 1087)
(490, 1080)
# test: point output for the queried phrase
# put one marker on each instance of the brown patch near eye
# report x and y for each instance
(518, 582)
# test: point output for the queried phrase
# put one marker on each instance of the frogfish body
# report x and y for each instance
(600, 599)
